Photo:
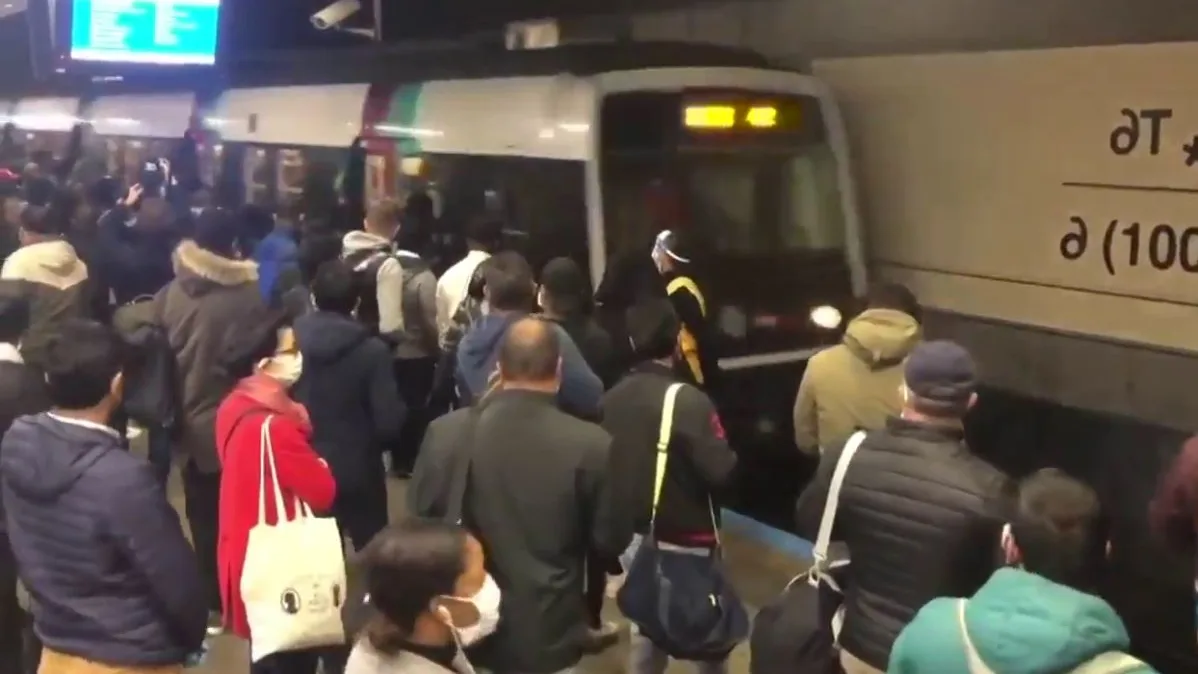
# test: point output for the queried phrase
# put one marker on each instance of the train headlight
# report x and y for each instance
(826, 317)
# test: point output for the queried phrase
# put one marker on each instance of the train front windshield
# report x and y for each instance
(751, 179)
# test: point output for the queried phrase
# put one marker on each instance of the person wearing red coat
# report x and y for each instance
(301, 472)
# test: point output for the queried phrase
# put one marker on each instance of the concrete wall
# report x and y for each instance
(795, 31)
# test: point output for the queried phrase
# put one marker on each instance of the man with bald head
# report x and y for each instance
(537, 496)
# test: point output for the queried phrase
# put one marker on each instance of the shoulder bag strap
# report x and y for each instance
(824, 538)
(266, 458)
(1113, 662)
(972, 659)
(665, 430)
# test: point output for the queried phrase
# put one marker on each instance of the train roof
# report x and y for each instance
(408, 63)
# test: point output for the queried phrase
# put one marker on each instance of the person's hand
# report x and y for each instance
(134, 195)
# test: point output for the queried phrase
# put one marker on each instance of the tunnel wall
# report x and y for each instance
(796, 31)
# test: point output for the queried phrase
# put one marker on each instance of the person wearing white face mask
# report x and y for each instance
(267, 361)
(431, 597)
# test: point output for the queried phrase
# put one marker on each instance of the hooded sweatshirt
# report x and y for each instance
(54, 281)
(382, 304)
(101, 551)
(274, 254)
(350, 392)
(1019, 623)
(856, 384)
(581, 390)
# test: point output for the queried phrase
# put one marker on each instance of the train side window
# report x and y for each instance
(291, 168)
(209, 155)
(114, 157)
(132, 157)
(256, 172)
(230, 183)
(376, 177)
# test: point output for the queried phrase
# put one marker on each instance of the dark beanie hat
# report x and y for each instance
(653, 328)
(941, 373)
(217, 231)
(562, 277)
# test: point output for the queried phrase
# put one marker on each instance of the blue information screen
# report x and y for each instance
(172, 32)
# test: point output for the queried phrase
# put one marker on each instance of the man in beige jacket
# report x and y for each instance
(855, 385)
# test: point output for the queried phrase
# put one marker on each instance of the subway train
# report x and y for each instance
(584, 151)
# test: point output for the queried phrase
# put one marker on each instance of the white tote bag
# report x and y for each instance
(293, 583)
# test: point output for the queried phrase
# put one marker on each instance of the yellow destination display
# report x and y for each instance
(730, 116)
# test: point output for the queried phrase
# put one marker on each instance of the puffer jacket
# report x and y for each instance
(54, 281)
(101, 551)
(1019, 623)
(209, 295)
(854, 385)
(922, 517)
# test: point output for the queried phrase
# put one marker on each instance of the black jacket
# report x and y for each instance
(539, 499)
(349, 389)
(922, 517)
(133, 260)
(700, 461)
(594, 344)
(22, 391)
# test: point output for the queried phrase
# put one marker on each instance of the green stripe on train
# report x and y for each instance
(402, 113)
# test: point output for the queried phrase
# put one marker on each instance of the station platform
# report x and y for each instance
(761, 561)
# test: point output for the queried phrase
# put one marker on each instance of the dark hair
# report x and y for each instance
(39, 191)
(530, 351)
(40, 220)
(14, 313)
(485, 232)
(509, 282)
(315, 249)
(335, 288)
(81, 360)
(566, 288)
(419, 206)
(629, 278)
(1057, 526)
(217, 231)
(1173, 512)
(292, 209)
(407, 566)
(254, 224)
(247, 342)
(894, 296)
(653, 327)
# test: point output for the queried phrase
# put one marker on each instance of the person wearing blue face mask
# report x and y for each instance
(430, 597)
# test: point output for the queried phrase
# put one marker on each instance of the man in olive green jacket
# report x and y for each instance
(856, 384)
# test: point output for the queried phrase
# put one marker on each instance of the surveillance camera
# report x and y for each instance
(335, 14)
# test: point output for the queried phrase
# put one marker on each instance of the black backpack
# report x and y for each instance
(151, 377)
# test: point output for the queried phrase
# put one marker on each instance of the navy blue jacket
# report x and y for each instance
(581, 390)
(349, 389)
(110, 576)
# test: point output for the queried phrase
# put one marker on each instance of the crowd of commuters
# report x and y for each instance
(528, 413)
(344, 348)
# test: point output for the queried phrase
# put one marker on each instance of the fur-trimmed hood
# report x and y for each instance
(198, 269)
